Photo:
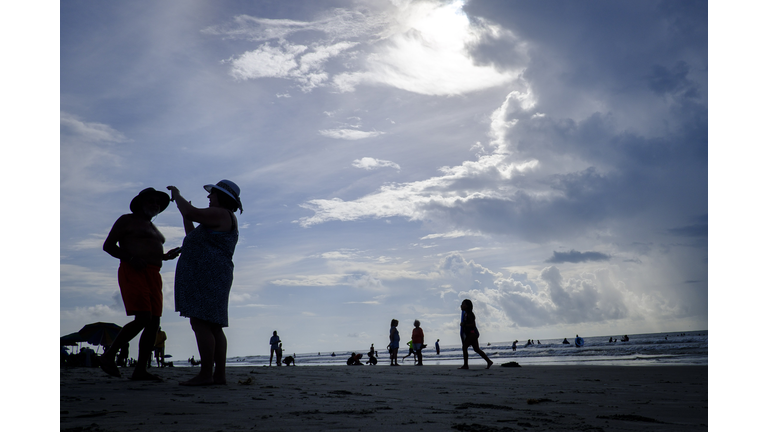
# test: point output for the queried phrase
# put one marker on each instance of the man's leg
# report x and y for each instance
(146, 346)
(127, 333)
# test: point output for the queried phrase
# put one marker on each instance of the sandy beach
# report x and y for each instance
(385, 398)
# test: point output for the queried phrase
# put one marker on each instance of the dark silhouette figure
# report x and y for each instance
(274, 345)
(354, 360)
(417, 336)
(372, 360)
(394, 342)
(470, 334)
(138, 244)
(205, 272)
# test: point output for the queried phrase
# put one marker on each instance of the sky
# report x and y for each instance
(547, 160)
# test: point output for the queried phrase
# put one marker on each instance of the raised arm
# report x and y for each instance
(215, 218)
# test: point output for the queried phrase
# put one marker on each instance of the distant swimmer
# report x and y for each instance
(625, 338)
(610, 339)
(579, 341)
(514, 346)
(565, 341)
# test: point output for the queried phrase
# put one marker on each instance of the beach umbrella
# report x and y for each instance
(100, 333)
(72, 339)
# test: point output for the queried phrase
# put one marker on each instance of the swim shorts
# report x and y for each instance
(142, 291)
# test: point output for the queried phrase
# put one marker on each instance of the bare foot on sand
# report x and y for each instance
(489, 364)
(199, 381)
(464, 367)
(109, 367)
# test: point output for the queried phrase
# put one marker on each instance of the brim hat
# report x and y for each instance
(229, 188)
(138, 200)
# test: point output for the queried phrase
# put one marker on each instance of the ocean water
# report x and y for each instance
(669, 348)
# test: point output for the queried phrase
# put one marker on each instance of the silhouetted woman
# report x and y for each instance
(470, 334)
(204, 274)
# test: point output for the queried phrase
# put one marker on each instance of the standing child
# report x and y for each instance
(394, 343)
(417, 336)
(470, 335)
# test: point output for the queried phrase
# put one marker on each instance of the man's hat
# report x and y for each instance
(137, 201)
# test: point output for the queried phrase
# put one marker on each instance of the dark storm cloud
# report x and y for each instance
(699, 230)
(574, 256)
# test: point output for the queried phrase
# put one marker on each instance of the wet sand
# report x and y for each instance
(385, 398)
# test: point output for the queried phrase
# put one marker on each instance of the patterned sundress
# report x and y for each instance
(204, 274)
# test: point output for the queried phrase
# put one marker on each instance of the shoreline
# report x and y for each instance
(381, 397)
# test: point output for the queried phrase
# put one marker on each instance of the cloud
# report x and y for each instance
(349, 134)
(88, 153)
(451, 235)
(301, 63)
(586, 298)
(576, 257)
(369, 163)
(422, 47)
(697, 230)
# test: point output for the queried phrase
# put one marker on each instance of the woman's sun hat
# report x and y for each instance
(228, 187)
(138, 200)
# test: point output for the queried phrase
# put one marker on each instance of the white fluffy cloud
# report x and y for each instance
(349, 134)
(299, 62)
(369, 163)
(423, 47)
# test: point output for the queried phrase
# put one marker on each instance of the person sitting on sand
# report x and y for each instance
(138, 244)
(372, 360)
(289, 360)
(470, 334)
(354, 360)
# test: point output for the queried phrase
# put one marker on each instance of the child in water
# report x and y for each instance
(470, 335)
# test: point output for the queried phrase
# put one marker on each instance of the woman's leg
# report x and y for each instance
(476, 348)
(206, 345)
(465, 342)
(220, 356)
